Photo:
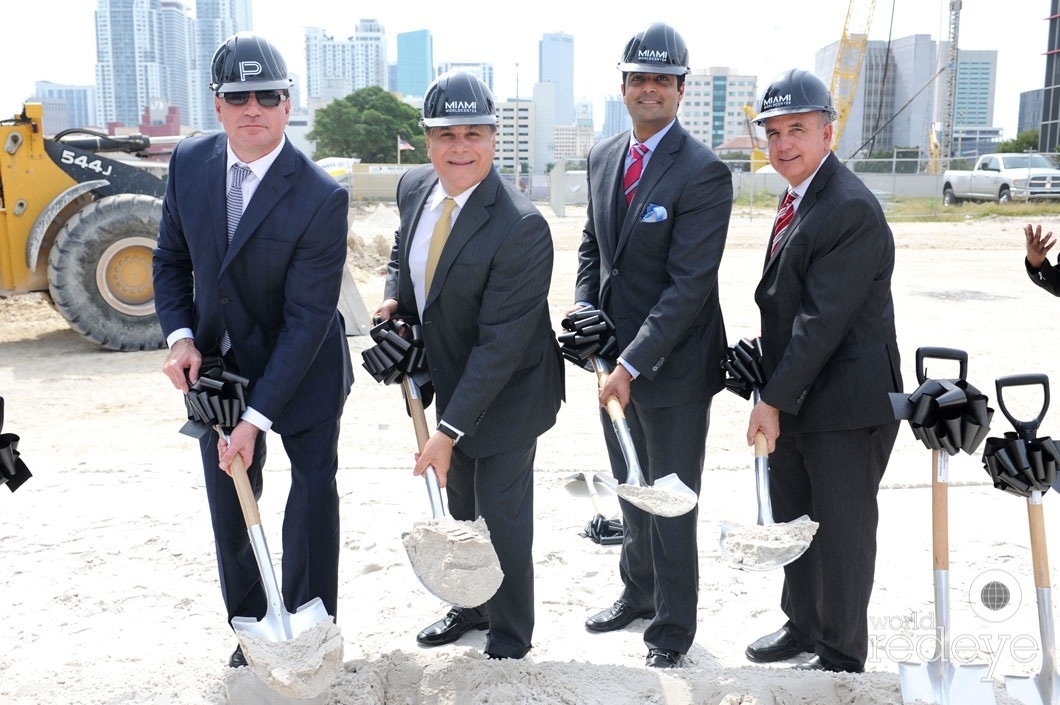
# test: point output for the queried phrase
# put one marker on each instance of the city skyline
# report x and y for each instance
(728, 39)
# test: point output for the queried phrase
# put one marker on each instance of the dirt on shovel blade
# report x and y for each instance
(771, 544)
(302, 667)
(455, 560)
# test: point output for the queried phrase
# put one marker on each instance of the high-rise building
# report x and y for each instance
(616, 117)
(1030, 114)
(712, 107)
(179, 61)
(556, 66)
(128, 58)
(78, 106)
(1049, 137)
(415, 63)
(483, 71)
(514, 136)
(899, 96)
(336, 68)
(216, 21)
(369, 55)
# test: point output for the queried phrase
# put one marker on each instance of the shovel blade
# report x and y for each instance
(1034, 690)
(668, 497)
(943, 683)
(454, 561)
(281, 625)
(766, 547)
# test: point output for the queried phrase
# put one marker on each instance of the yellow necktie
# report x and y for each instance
(438, 238)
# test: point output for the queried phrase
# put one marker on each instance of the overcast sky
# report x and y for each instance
(54, 40)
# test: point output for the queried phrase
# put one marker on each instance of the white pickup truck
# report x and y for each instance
(1003, 178)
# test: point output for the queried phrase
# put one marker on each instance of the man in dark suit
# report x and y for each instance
(831, 358)
(649, 259)
(480, 292)
(254, 276)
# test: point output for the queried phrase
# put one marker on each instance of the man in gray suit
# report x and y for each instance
(831, 358)
(658, 215)
(480, 292)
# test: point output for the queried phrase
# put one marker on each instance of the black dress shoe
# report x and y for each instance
(663, 658)
(454, 625)
(817, 663)
(237, 659)
(617, 616)
(778, 646)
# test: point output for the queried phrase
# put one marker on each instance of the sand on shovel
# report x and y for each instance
(454, 560)
(301, 667)
(656, 501)
(769, 544)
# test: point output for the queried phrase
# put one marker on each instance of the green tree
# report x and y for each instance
(366, 124)
(1024, 142)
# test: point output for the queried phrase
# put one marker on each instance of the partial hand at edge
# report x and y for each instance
(241, 441)
(182, 364)
(1037, 246)
(438, 453)
(764, 419)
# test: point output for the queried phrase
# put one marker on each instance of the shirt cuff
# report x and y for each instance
(179, 334)
(629, 368)
(254, 417)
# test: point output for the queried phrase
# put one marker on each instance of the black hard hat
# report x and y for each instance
(246, 62)
(658, 49)
(458, 98)
(795, 91)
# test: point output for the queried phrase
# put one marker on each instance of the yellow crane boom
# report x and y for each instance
(848, 60)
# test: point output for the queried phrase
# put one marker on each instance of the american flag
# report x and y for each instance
(403, 145)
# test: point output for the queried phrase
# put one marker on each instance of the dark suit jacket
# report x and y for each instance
(275, 288)
(1047, 276)
(494, 361)
(658, 281)
(828, 335)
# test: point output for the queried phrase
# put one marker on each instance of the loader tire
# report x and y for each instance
(99, 272)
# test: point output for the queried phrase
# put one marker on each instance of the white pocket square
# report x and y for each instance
(654, 213)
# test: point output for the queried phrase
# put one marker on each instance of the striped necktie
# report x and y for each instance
(234, 213)
(784, 216)
(632, 177)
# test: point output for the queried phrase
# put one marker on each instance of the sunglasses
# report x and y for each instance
(266, 99)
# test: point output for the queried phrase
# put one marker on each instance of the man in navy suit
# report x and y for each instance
(831, 360)
(658, 216)
(248, 266)
(480, 292)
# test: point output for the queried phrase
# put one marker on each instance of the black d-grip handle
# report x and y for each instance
(1026, 429)
(959, 356)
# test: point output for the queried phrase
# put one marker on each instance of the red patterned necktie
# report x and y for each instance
(784, 216)
(632, 178)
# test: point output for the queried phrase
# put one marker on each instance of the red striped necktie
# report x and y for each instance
(784, 216)
(632, 177)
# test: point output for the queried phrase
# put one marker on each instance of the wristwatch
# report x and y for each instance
(449, 432)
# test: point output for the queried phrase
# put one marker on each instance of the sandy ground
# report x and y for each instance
(107, 574)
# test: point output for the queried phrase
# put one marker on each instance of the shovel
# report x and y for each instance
(454, 560)
(669, 496)
(600, 529)
(1043, 689)
(940, 680)
(768, 545)
(277, 646)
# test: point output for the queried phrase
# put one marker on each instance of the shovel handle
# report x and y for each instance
(244, 491)
(419, 418)
(1039, 552)
(1025, 428)
(614, 406)
(958, 356)
(940, 506)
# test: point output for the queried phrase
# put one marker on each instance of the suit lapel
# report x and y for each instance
(216, 195)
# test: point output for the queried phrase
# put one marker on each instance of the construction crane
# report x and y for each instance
(949, 99)
(848, 60)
